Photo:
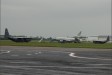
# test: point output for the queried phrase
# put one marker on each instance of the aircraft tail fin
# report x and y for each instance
(40, 40)
(79, 34)
(6, 33)
(107, 39)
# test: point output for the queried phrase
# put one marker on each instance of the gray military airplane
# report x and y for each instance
(16, 39)
(100, 41)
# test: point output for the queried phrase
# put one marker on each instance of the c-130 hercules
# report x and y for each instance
(16, 39)
(101, 42)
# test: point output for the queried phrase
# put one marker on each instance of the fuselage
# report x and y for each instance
(67, 40)
(20, 39)
(100, 41)
(16, 38)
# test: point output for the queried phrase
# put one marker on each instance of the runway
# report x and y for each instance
(54, 61)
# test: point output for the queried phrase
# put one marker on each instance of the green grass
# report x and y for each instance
(55, 44)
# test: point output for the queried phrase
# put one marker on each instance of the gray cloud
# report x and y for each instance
(56, 17)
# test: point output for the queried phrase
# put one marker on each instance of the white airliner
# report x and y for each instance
(68, 39)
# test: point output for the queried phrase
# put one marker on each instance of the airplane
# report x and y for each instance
(16, 39)
(100, 41)
(68, 39)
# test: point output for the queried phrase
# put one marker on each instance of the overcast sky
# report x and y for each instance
(52, 18)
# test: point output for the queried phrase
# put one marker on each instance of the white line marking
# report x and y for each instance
(36, 53)
(73, 55)
(39, 52)
(29, 54)
(3, 51)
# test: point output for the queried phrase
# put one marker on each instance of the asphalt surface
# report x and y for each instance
(54, 61)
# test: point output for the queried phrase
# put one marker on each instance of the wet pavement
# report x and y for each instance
(54, 61)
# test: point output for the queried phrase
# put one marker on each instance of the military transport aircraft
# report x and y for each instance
(17, 38)
(101, 41)
(75, 39)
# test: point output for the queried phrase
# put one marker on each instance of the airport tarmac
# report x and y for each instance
(17, 60)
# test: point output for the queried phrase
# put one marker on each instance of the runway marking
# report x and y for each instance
(39, 52)
(28, 54)
(3, 51)
(36, 53)
(73, 55)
